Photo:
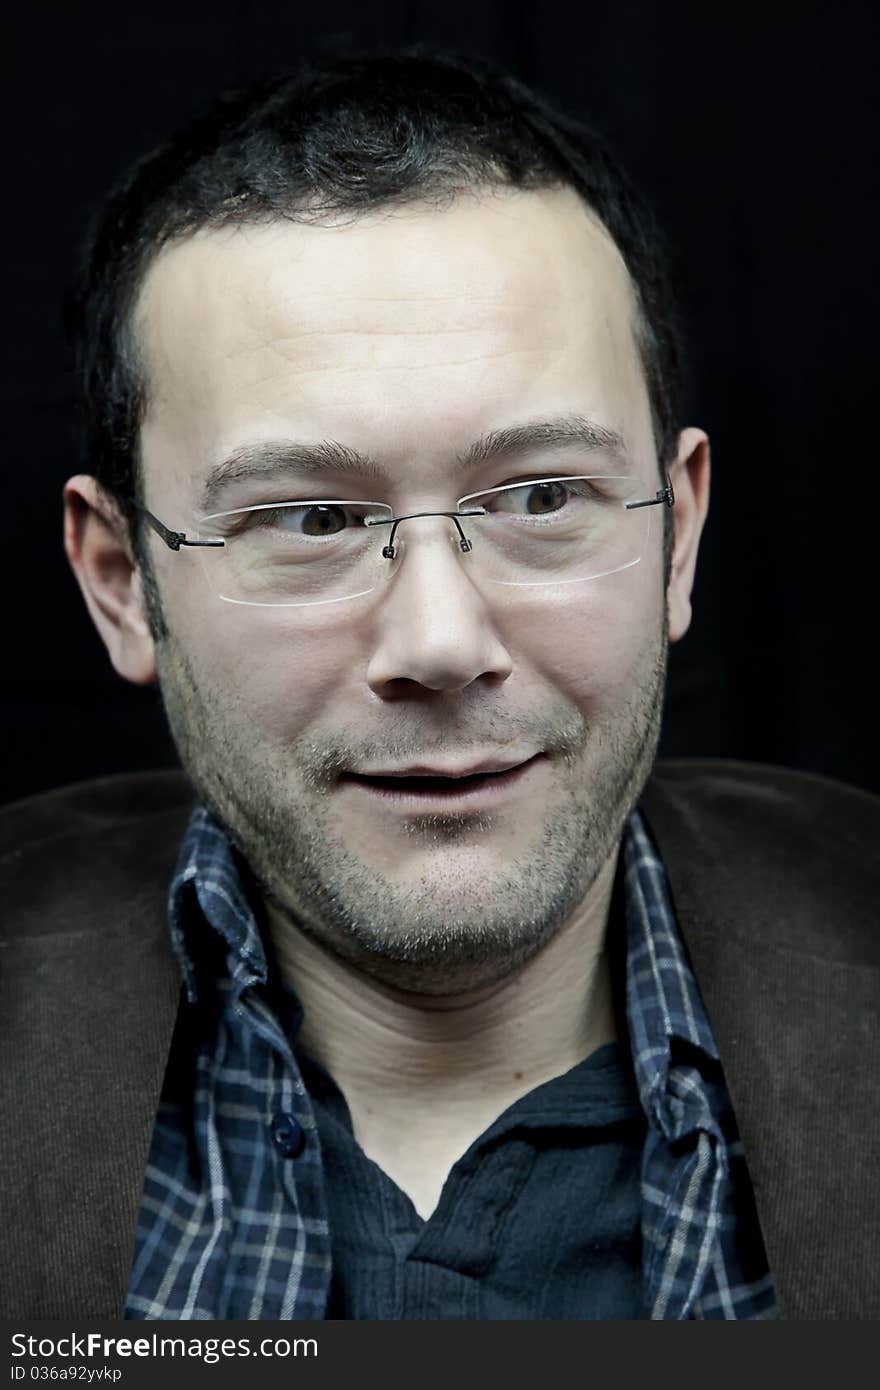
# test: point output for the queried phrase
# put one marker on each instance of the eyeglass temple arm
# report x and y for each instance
(173, 539)
(665, 494)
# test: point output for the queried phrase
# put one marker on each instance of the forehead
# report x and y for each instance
(404, 335)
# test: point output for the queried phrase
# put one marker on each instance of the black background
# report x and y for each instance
(751, 128)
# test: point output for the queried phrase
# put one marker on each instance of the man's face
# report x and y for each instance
(407, 337)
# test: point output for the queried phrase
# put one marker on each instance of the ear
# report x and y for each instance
(98, 548)
(689, 475)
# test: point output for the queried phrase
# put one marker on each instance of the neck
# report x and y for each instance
(439, 1070)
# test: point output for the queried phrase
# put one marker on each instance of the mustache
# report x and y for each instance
(323, 758)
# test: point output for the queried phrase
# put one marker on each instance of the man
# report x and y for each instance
(422, 994)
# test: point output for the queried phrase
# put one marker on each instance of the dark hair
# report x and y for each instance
(341, 136)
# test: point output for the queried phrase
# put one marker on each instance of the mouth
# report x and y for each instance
(427, 788)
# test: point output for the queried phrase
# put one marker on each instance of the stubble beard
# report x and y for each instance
(448, 931)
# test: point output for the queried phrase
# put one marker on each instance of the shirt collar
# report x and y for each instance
(207, 892)
(662, 998)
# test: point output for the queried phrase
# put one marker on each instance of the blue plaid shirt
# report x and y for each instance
(233, 1217)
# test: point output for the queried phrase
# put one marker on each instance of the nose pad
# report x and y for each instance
(389, 550)
(409, 553)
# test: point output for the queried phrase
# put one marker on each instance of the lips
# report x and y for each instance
(426, 782)
(423, 782)
(423, 771)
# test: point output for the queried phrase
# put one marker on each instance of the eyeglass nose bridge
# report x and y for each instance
(388, 551)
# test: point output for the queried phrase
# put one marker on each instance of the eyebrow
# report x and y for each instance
(271, 459)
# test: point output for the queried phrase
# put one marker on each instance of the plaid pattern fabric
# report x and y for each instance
(229, 1228)
(233, 1228)
(702, 1251)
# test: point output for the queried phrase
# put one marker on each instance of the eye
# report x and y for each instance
(307, 519)
(319, 520)
(532, 499)
(545, 497)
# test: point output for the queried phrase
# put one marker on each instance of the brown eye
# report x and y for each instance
(322, 521)
(546, 497)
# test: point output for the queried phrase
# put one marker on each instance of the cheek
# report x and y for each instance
(280, 675)
(594, 647)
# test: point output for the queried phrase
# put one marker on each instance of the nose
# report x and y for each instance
(434, 627)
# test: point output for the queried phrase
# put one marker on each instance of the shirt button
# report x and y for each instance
(288, 1135)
